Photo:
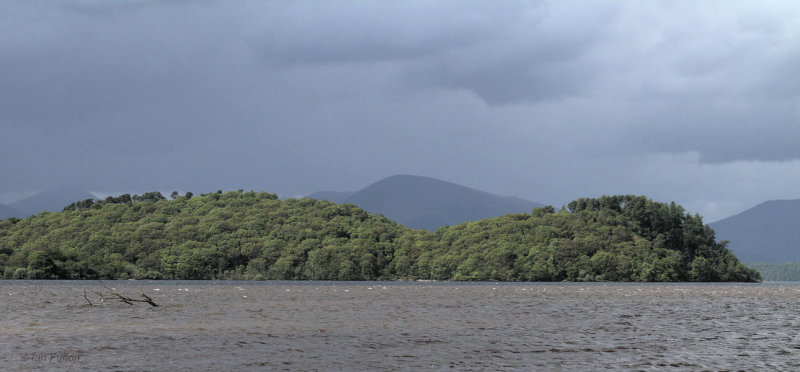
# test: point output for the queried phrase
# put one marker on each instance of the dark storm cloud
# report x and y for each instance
(721, 84)
(326, 32)
(106, 91)
(504, 53)
(535, 56)
(548, 100)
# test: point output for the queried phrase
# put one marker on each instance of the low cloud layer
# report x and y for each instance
(697, 102)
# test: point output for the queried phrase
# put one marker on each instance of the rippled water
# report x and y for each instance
(401, 326)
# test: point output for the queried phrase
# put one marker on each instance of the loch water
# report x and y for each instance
(399, 326)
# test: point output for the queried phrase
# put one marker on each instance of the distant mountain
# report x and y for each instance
(778, 272)
(52, 200)
(332, 196)
(768, 232)
(428, 203)
(8, 212)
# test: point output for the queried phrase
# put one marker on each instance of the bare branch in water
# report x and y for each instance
(112, 294)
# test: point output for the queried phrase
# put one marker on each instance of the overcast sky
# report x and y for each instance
(696, 102)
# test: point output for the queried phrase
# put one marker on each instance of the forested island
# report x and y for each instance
(256, 236)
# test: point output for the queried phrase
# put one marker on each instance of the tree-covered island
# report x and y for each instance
(254, 235)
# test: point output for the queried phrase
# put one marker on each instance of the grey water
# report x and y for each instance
(309, 326)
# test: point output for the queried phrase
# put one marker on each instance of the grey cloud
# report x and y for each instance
(535, 57)
(367, 32)
(544, 100)
(521, 79)
(721, 85)
(503, 53)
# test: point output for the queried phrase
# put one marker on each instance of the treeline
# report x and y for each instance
(249, 235)
(122, 199)
(778, 272)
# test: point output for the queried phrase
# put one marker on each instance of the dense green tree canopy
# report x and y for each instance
(249, 235)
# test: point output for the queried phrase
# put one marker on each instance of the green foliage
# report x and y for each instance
(778, 272)
(249, 235)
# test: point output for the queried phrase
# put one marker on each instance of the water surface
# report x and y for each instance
(206, 325)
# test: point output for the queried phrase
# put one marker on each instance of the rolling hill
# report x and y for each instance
(428, 203)
(768, 232)
(249, 235)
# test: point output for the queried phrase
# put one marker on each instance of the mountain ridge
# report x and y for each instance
(50, 200)
(428, 203)
(768, 232)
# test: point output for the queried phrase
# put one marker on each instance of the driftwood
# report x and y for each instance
(112, 294)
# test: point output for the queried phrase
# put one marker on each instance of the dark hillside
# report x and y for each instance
(427, 203)
(52, 200)
(768, 232)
